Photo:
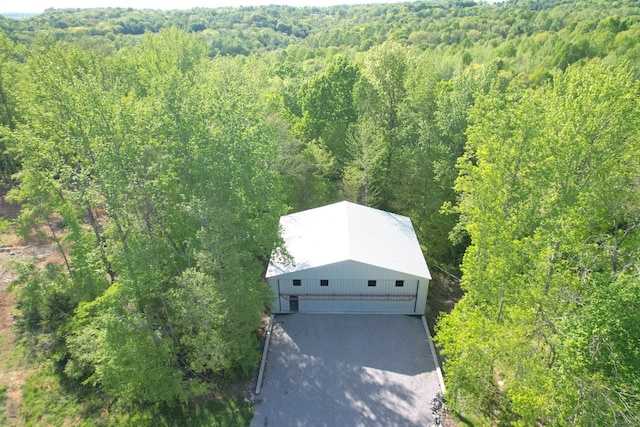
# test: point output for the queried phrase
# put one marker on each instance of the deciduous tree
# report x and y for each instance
(549, 195)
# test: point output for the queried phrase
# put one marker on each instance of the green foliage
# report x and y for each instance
(309, 173)
(49, 398)
(361, 181)
(45, 298)
(40, 405)
(591, 28)
(550, 200)
(164, 154)
(9, 110)
(328, 107)
(158, 149)
(383, 91)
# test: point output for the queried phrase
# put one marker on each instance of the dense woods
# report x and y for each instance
(159, 148)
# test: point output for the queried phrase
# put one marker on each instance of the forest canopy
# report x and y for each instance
(159, 148)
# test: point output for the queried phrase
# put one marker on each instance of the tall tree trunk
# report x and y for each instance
(64, 255)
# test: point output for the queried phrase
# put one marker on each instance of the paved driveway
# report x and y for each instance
(347, 370)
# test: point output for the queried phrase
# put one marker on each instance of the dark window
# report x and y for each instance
(399, 283)
(324, 282)
(371, 283)
(297, 282)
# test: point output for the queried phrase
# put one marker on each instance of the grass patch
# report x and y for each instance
(9, 239)
(3, 398)
(225, 412)
(11, 357)
(50, 399)
(45, 402)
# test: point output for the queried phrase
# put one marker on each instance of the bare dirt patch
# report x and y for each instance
(12, 374)
(13, 369)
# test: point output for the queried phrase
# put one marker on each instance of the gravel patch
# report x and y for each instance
(347, 370)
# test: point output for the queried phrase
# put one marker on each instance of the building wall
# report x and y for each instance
(347, 290)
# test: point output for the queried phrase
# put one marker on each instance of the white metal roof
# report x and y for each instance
(347, 231)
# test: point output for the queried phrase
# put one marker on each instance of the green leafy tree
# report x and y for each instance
(9, 114)
(384, 77)
(158, 161)
(308, 170)
(328, 107)
(549, 197)
(361, 180)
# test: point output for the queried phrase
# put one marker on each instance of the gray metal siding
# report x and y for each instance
(341, 306)
(348, 290)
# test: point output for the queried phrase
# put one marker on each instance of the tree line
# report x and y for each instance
(160, 163)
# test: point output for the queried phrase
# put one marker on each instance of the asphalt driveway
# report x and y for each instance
(347, 370)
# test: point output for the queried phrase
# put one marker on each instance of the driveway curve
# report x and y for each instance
(347, 370)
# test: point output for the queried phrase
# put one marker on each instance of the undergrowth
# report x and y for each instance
(51, 399)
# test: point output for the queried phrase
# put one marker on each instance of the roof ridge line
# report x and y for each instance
(349, 254)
